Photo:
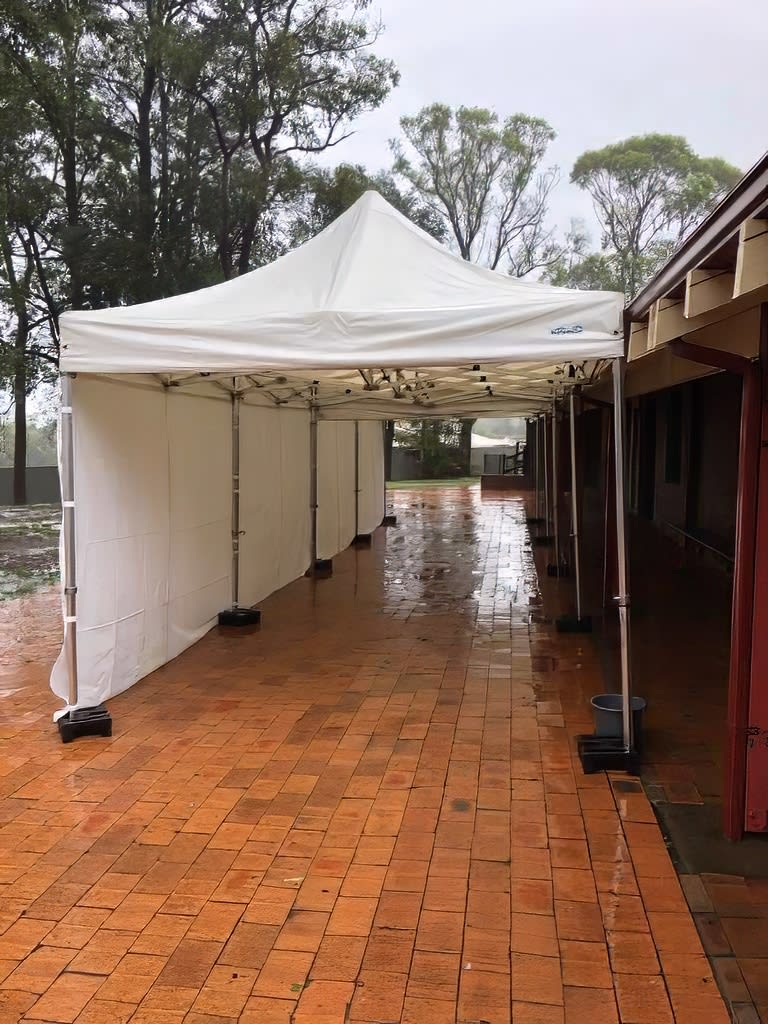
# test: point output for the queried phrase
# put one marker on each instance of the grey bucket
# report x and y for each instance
(606, 709)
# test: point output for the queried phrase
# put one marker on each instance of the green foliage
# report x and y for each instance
(648, 192)
(445, 445)
(483, 177)
(171, 129)
(150, 147)
(41, 444)
(331, 192)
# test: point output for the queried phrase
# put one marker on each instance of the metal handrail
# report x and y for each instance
(699, 542)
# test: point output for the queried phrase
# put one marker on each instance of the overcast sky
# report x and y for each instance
(597, 70)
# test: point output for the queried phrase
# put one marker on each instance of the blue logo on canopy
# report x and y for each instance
(567, 329)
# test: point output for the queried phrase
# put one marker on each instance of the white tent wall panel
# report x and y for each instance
(200, 513)
(345, 473)
(336, 483)
(295, 530)
(371, 441)
(274, 499)
(123, 539)
(327, 489)
(261, 505)
(153, 491)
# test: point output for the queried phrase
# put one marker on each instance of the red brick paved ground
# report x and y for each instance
(368, 811)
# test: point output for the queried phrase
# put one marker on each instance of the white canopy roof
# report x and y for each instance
(374, 309)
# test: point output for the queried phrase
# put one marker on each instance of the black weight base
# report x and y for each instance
(558, 571)
(534, 521)
(240, 617)
(389, 520)
(571, 624)
(85, 722)
(606, 753)
(543, 540)
(323, 569)
(362, 540)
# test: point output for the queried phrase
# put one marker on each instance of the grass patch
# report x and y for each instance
(462, 481)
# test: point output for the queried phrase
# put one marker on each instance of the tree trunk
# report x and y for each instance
(74, 247)
(225, 233)
(146, 212)
(248, 235)
(466, 445)
(20, 419)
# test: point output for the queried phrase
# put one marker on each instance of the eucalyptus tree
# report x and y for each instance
(485, 178)
(648, 191)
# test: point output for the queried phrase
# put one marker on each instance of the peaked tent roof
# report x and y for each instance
(370, 291)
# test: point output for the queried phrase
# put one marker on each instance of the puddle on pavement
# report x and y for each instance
(29, 549)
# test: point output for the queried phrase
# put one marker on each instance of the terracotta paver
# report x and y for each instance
(368, 811)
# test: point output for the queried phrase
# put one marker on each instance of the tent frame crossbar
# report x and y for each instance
(423, 393)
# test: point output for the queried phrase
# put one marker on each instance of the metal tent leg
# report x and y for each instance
(555, 568)
(537, 470)
(544, 538)
(622, 598)
(389, 518)
(567, 623)
(535, 519)
(360, 540)
(357, 478)
(318, 567)
(547, 507)
(77, 721)
(599, 753)
(237, 616)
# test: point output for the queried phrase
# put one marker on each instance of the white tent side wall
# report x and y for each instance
(153, 529)
(274, 499)
(199, 433)
(153, 492)
(327, 489)
(371, 441)
(345, 461)
(261, 504)
(294, 495)
(336, 483)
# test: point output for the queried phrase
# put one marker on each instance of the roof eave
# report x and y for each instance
(748, 197)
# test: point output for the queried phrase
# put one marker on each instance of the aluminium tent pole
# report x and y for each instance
(237, 616)
(360, 540)
(357, 479)
(384, 464)
(235, 497)
(533, 462)
(313, 480)
(68, 534)
(547, 509)
(555, 500)
(581, 623)
(390, 519)
(74, 721)
(622, 598)
(542, 466)
(537, 468)
(575, 508)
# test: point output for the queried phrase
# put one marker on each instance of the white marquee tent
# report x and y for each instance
(247, 415)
